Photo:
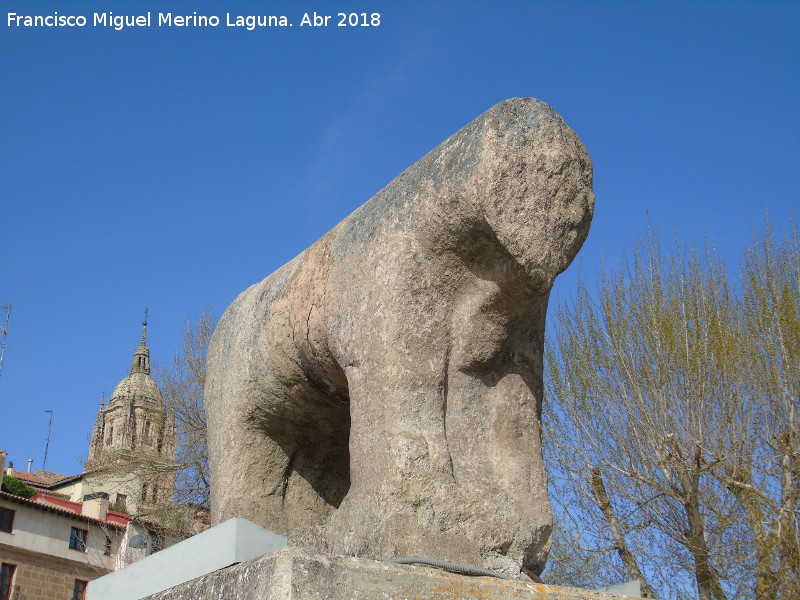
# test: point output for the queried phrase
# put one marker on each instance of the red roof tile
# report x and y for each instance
(43, 478)
(49, 477)
(61, 503)
(116, 522)
(27, 477)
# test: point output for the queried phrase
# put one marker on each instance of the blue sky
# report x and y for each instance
(171, 168)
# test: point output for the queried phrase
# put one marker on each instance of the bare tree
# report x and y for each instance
(764, 474)
(573, 563)
(672, 400)
(182, 384)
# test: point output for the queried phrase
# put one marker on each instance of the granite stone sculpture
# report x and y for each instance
(381, 393)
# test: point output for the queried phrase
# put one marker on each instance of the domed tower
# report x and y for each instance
(134, 438)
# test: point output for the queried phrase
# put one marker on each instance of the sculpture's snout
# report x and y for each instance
(537, 188)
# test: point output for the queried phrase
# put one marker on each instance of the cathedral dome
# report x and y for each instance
(139, 386)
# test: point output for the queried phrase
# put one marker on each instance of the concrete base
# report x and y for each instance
(294, 574)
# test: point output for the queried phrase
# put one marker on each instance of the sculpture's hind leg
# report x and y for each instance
(277, 441)
(274, 464)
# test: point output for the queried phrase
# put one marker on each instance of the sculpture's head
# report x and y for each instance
(535, 187)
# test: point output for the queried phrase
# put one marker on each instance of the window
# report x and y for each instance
(154, 496)
(77, 539)
(79, 589)
(144, 492)
(6, 520)
(6, 580)
(110, 438)
(122, 502)
(103, 495)
(107, 550)
(146, 431)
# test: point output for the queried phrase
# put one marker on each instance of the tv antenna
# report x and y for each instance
(4, 332)
(47, 444)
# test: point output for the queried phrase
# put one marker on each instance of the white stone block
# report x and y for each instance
(231, 542)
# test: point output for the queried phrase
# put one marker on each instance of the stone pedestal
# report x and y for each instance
(294, 574)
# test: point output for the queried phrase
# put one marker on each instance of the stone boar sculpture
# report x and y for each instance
(381, 393)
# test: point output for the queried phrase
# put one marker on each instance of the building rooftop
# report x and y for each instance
(64, 507)
(41, 479)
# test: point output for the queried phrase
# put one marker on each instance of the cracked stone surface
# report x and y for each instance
(380, 394)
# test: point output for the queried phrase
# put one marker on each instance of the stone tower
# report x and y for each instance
(132, 450)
